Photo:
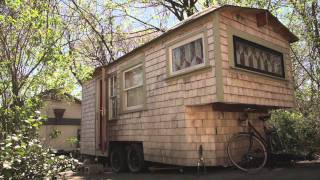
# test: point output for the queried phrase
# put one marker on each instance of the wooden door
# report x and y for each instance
(102, 117)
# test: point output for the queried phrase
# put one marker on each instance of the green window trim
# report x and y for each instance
(260, 64)
(202, 33)
(218, 58)
(231, 32)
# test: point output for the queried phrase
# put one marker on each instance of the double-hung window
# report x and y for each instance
(133, 88)
(113, 97)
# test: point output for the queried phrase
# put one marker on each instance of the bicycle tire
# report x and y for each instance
(247, 155)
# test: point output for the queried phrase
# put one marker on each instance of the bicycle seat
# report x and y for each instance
(264, 118)
(243, 117)
(249, 110)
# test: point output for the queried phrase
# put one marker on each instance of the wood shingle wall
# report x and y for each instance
(212, 130)
(87, 143)
(162, 127)
(247, 87)
(178, 115)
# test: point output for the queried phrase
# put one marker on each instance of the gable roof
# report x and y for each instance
(57, 95)
(291, 37)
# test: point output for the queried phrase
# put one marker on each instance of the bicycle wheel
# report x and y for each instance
(247, 152)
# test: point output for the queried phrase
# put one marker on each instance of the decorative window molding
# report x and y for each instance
(255, 57)
(262, 45)
(112, 97)
(133, 88)
(188, 53)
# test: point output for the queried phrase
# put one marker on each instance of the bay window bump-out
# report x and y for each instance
(133, 88)
(187, 55)
(112, 97)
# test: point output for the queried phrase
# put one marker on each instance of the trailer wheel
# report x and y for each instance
(135, 158)
(118, 160)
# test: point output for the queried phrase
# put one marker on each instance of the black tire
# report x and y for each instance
(118, 160)
(247, 152)
(135, 160)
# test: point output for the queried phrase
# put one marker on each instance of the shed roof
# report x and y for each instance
(291, 37)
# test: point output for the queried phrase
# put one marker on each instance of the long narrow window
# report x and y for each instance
(113, 97)
(133, 87)
(254, 57)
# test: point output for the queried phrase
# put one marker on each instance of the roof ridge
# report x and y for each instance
(195, 15)
(190, 19)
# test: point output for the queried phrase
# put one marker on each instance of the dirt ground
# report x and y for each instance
(304, 171)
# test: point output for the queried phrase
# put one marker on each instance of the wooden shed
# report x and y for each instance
(188, 87)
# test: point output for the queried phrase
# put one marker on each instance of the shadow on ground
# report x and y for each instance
(299, 172)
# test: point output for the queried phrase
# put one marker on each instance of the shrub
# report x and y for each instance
(21, 154)
(25, 158)
(298, 133)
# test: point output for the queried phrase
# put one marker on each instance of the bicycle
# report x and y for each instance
(249, 151)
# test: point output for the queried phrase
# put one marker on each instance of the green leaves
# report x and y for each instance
(13, 4)
(21, 154)
(25, 158)
(298, 133)
(31, 51)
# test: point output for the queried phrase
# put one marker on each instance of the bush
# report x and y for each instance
(21, 154)
(299, 134)
(25, 158)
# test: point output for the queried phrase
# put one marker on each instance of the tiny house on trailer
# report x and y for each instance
(187, 88)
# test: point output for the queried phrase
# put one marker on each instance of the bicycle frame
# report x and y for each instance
(257, 142)
(254, 131)
(265, 140)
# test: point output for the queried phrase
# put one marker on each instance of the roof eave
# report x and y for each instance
(292, 37)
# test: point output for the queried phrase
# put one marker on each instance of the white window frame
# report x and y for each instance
(184, 42)
(125, 90)
(113, 77)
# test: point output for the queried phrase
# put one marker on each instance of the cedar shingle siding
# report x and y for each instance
(87, 144)
(178, 115)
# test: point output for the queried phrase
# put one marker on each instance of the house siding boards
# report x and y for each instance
(250, 87)
(68, 125)
(178, 115)
(88, 141)
(212, 129)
